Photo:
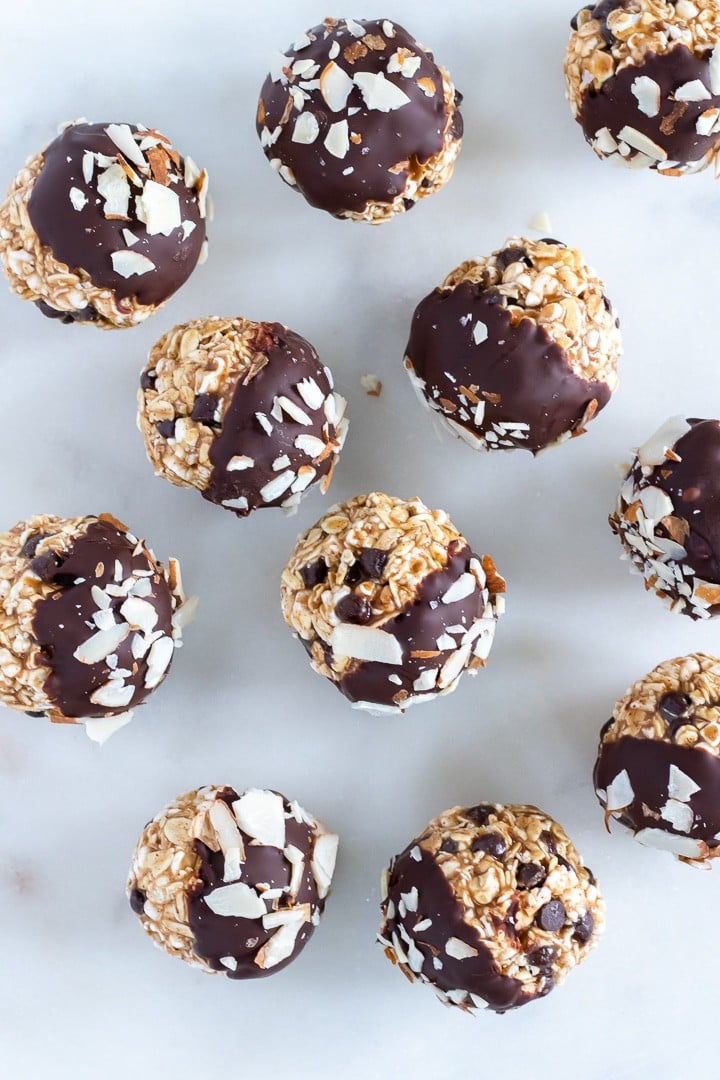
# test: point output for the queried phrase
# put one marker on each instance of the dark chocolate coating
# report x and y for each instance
(648, 762)
(290, 359)
(85, 239)
(693, 484)
(518, 362)
(223, 935)
(411, 134)
(478, 975)
(61, 620)
(614, 105)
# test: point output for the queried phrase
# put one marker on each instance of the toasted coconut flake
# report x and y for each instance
(655, 450)
(280, 946)
(123, 138)
(100, 729)
(335, 86)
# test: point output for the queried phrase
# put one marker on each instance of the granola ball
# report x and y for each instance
(89, 620)
(103, 225)
(668, 515)
(658, 765)
(358, 117)
(491, 905)
(232, 883)
(390, 602)
(242, 411)
(643, 80)
(518, 349)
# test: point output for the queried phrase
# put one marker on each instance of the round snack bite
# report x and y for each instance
(518, 349)
(658, 765)
(491, 905)
(358, 117)
(643, 81)
(242, 411)
(103, 225)
(233, 884)
(89, 620)
(668, 515)
(390, 603)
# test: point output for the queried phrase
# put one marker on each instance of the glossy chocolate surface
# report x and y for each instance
(85, 239)
(519, 372)
(384, 147)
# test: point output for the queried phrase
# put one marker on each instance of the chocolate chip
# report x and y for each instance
(591, 877)
(354, 609)
(373, 562)
(148, 380)
(137, 901)
(36, 714)
(549, 841)
(480, 814)
(675, 711)
(491, 296)
(551, 916)
(584, 928)
(458, 98)
(166, 428)
(31, 544)
(409, 203)
(86, 314)
(542, 958)
(45, 566)
(314, 573)
(530, 875)
(491, 843)
(450, 846)
(550, 240)
(511, 255)
(204, 410)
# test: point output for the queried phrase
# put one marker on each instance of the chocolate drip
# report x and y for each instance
(219, 936)
(648, 762)
(614, 105)
(417, 628)
(478, 975)
(85, 239)
(290, 359)
(63, 621)
(524, 374)
(379, 140)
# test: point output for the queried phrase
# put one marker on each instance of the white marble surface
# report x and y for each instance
(82, 992)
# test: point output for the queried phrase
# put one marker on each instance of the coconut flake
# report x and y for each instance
(310, 445)
(239, 462)
(114, 188)
(337, 140)
(426, 680)
(260, 814)
(335, 86)
(229, 962)
(656, 504)
(158, 208)
(306, 129)
(366, 643)
(277, 486)
(123, 138)
(605, 141)
(693, 91)
(480, 333)
(140, 614)
(678, 814)
(680, 785)
(620, 792)
(653, 452)
(323, 862)
(236, 901)
(459, 950)
(78, 198)
(681, 846)
(410, 900)
(311, 393)
(464, 586)
(158, 661)
(641, 142)
(128, 263)
(280, 946)
(297, 862)
(378, 92)
(113, 694)
(406, 64)
(100, 645)
(101, 728)
(648, 94)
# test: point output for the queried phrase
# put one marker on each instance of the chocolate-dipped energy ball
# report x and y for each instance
(643, 80)
(491, 905)
(658, 765)
(233, 884)
(668, 515)
(359, 118)
(390, 602)
(89, 620)
(103, 225)
(518, 349)
(242, 411)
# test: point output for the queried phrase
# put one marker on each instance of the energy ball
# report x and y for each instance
(658, 765)
(516, 350)
(668, 515)
(242, 411)
(89, 620)
(643, 80)
(103, 225)
(390, 602)
(358, 117)
(491, 905)
(233, 884)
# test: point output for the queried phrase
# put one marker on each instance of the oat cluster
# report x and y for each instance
(638, 27)
(696, 676)
(560, 293)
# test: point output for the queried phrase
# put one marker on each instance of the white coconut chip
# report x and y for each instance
(113, 188)
(311, 393)
(323, 860)
(140, 614)
(464, 586)
(653, 451)
(100, 645)
(113, 694)
(410, 900)
(620, 792)
(78, 198)
(260, 814)
(425, 681)
(678, 814)
(240, 462)
(366, 643)
(229, 962)
(310, 445)
(297, 862)
(648, 94)
(88, 166)
(123, 138)
(100, 729)
(459, 950)
(378, 92)
(304, 480)
(480, 333)
(229, 838)
(681, 846)
(656, 504)
(605, 141)
(240, 503)
(158, 661)
(335, 86)
(641, 142)
(306, 129)
(159, 209)
(680, 785)
(277, 486)
(292, 410)
(236, 901)
(130, 263)
(453, 666)
(693, 91)
(406, 65)
(280, 946)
